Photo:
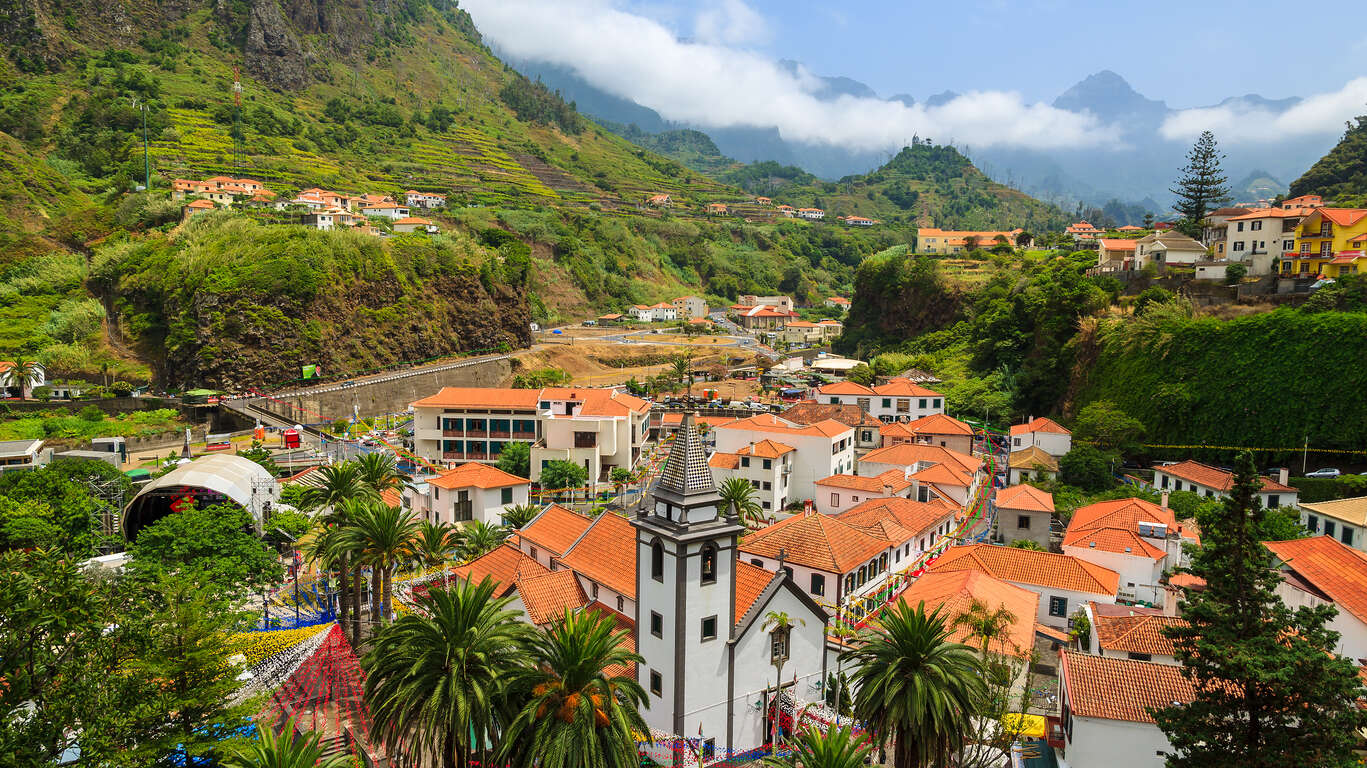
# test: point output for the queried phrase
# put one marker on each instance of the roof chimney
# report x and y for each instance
(1283, 475)
(887, 490)
(1163, 502)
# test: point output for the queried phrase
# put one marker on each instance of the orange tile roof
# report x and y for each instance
(720, 460)
(1117, 244)
(1136, 633)
(894, 478)
(939, 424)
(391, 497)
(1025, 566)
(597, 402)
(750, 582)
(547, 596)
(1039, 424)
(1121, 689)
(907, 454)
(1335, 569)
(503, 565)
(844, 388)
(481, 397)
(953, 592)
(904, 388)
(472, 475)
(606, 553)
(815, 541)
(765, 449)
(625, 625)
(1273, 213)
(1113, 526)
(1025, 497)
(200, 204)
(767, 422)
(412, 220)
(915, 517)
(1218, 479)
(1114, 540)
(944, 474)
(1344, 217)
(1031, 457)
(555, 529)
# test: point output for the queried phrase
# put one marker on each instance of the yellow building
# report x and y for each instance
(1329, 242)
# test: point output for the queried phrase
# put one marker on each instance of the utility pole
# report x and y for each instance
(1305, 454)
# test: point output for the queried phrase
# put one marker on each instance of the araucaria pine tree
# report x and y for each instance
(1203, 186)
(1269, 687)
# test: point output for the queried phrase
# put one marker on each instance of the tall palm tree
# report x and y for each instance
(984, 623)
(284, 751)
(23, 373)
(778, 623)
(380, 472)
(517, 516)
(479, 538)
(579, 705)
(738, 494)
(680, 369)
(915, 686)
(434, 544)
(434, 678)
(382, 537)
(340, 491)
(836, 748)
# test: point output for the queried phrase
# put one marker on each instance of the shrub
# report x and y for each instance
(91, 414)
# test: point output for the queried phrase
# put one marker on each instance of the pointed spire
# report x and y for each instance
(686, 471)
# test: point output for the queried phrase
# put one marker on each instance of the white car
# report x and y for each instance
(1326, 472)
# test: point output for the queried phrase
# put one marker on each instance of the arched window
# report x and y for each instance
(883, 562)
(849, 583)
(709, 564)
(657, 561)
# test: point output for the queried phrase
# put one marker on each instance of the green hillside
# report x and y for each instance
(1341, 175)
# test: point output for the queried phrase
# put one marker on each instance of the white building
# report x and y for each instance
(897, 400)
(1063, 583)
(1205, 480)
(11, 384)
(1163, 248)
(470, 491)
(1137, 539)
(1321, 570)
(1104, 709)
(838, 493)
(766, 466)
(1030, 464)
(1044, 433)
(813, 214)
(596, 428)
(822, 449)
(1342, 519)
(1261, 238)
(416, 199)
(19, 454)
(935, 472)
(387, 210)
(653, 313)
(708, 653)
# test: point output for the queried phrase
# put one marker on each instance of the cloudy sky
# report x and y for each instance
(713, 62)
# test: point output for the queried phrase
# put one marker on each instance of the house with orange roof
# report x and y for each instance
(1064, 583)
(538, 594)
(471, 491)
(1329, 242)
(836, 302)
(782, 303)
(198, 206)
(1115, 254)
(866, 437)
(812, 214)
(1342, 519)
(1321, 570)
(954, 592)
(1024, 512)
(416, 199)
(911, 527)
(410, 224)
(820, 450)
(1030, 463)
(1165, 247)
(716, 208)
(596, 428)
(935, 472)
(1105, 706)
(1136, 538)
(548, 536)
(689, 307)
(1050, 436)
(830, 560)
(604, 560)
(659, 201)
(1082, 230)
(762, 317)
(837, 493)
(947, 241)
(1131, 632)
(1208, 481)
(935, 429)
(1262, 238)
(386, 210)
(653, 313)
(766, 465)
(896, 400)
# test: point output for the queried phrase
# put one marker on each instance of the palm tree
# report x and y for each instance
(23, 373)
(479, 538)
(382, 537)
(342, 488)
(380, 472)
(518, 515)
(434, 544)
(780, 625)
(837, 748)
(580, 705)
(985, 624)
(434, 677)
(915, 686)
(337, 483)
(738, 494)
(284, 751)
(680, 370)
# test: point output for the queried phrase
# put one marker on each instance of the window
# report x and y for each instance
(593, 590)
(533, 553)
(1288, 245)
(506, 496)
(768, 464)
(1329, 528)
(1163, 483)
(1238, 245)
(849, 583)
(835, 401)
(1240, 227)
(768, 486)
(657, 624)
(1273, 500)
(1255, 225)
(756, 561)
(709, 628)
(778, 645)
(1023, 522)
(818, 584)
(835, 499)
(1058, 606)
(1312, 523)
(921, 404)
(656, 682)
(745, 461)
(1347, 536)
(936, 403)
(887, 402)
(1141, 656)
(657, 561)
(708, 570)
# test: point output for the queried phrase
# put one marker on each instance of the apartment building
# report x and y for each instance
(1261, 239)
(820, 450)
(766, 465)
(781, 303)
(689, 307)
(596, 428)
(896, 400)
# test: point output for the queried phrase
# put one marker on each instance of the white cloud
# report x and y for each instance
(713, 83)
(1242, 122)
(729, 22)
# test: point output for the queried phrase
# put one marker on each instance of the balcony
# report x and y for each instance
(452, 433)
(520, 435)
(502, 433)
(467, 455)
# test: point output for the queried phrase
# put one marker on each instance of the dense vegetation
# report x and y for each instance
(1341, 175)
(693, 149)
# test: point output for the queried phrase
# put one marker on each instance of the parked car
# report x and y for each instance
(1326, 472)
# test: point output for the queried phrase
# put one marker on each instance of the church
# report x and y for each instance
(718, 635)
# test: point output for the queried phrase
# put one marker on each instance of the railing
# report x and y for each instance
(476, 433)
(499, 433)
(516, 435)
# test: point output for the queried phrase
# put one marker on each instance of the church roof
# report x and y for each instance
(686, 471)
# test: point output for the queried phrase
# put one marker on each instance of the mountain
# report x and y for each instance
(1341, 175)
(1257, 185)
(1109, 97)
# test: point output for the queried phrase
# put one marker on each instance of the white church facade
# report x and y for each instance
(714, 663)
